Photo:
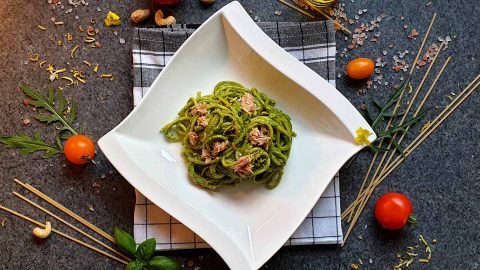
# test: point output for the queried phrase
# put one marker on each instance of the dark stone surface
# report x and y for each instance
(442, 177)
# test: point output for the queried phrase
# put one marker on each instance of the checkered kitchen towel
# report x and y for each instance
(313, 43)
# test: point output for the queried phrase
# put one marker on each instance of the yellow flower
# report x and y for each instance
(50, 68)
(362, 136)
(112, 19)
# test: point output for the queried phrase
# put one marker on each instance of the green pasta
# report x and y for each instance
(231, 136)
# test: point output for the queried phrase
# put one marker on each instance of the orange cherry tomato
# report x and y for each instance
(360, 68)
(393, 210)
(79, 149)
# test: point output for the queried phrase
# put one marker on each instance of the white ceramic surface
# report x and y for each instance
(247, 224)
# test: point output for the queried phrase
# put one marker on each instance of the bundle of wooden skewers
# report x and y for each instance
(114, 253)
(392, 157)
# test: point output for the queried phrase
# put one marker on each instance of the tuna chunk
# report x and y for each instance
(202, 121)
(257, 137)
(248, 103)
(199, 109)
(207, 156)
(243, 165)
(192, 138)
(219, 147)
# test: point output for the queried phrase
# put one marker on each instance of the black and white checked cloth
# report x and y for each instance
(313, 43)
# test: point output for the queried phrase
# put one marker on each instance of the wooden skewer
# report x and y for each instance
(423, 135)
(296, 8)
(349, 210)
(362, 205)
(66, 211)
(423, 43)
(71, 238)
(71, 226)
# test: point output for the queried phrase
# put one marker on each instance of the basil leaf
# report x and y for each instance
(124, 240)
(134, 265)
(162, 263)
(146, 249)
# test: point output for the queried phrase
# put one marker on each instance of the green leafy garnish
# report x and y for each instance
(388, 112)
(30, 145)
(143, 254)
(58, 114)
(146, 249)
(124, 241)
(162, 263)
(62, 113)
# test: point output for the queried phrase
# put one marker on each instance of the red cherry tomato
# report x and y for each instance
(360, 68)
(393, 210)
(79, 149)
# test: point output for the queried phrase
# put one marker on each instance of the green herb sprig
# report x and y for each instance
(143, 255)
(59, 111)
(386, 113)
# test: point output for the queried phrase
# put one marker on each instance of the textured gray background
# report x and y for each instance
(442, 177)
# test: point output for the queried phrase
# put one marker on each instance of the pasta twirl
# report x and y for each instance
(234, 135)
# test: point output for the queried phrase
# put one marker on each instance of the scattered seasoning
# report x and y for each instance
(121, 40)
(278, 13)
(90, 31)
(434, 241)
(89, 39)
(58, 23)
(90, 207)
(41, 63)
(413, 34)
(68, 79)
(104, 75)
(42, 27)
(354, 266)
(95, 69)
(87, 63)
(72, 52)
(59, 43)
(26, 121)
(35, 57)
(69, 37)
(80, 28)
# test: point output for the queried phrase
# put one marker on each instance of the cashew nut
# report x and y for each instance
(160, 21)
(140, 15)
(43, 232)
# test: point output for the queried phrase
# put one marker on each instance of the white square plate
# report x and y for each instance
(247, 224)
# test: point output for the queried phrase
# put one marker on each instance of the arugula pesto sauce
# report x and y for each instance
(233, 135)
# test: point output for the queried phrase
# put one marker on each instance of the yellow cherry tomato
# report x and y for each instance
(360, 68)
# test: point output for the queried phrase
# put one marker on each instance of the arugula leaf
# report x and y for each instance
(146, 249)
(124, 241)
(390, 102)
(57, 114)
(30, 145)
(162, 263)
